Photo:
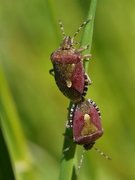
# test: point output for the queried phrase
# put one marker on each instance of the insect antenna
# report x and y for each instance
(62, 28)
(81, 161)
(82, 157)
(102, 154)
(82, 25)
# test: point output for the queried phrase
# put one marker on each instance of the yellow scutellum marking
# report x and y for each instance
(70, 68)
(86, 117)
(69, 83)
(73, 66)
(88, 127)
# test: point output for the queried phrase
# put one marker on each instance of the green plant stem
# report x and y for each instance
(68, 153)
(67, 169)
(88, 31)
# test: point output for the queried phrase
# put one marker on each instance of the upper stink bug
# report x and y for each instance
(85, 120)
(68, 68)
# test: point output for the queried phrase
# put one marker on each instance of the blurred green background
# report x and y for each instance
(29, 33)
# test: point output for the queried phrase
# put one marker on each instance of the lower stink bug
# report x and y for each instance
(68, 68)
(85, 121)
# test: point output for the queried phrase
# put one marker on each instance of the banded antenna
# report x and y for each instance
(83, 153)
(80, 27)
(102, 154)
(81, 161)
(62, 28)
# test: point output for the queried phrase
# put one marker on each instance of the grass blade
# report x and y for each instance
(67, 162)
(88, 31)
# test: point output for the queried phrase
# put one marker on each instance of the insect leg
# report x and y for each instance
(51, 71)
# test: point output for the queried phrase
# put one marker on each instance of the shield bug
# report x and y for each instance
(68, 68)
(85, 119)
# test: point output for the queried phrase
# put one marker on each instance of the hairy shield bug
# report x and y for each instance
(68, 68)
(85, 120)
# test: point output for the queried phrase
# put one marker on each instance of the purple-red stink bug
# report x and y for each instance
(68, 68)
(85, 120)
